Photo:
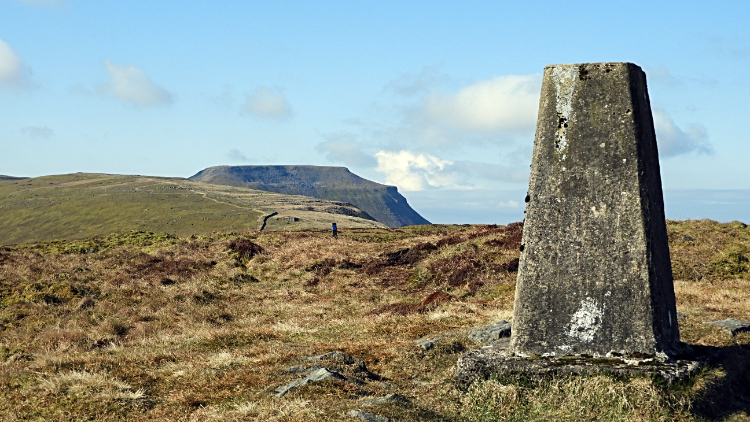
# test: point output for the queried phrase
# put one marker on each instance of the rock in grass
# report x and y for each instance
(302, 369)
(350, 363)
(368, 417)
(427, 344)
(341, 357)
(316, 376)
(490, 333)
(732, 326)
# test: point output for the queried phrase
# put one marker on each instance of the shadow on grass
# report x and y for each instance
(729, 394)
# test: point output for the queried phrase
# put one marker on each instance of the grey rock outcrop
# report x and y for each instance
(486, 335)
(318, 375)
(491, 333)
(346, 363)
(367, 417)
(338, 366)
(427, 343)
(732, 326)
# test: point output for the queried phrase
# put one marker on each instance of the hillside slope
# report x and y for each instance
(78, 206)
(382, 202)
(165, 328)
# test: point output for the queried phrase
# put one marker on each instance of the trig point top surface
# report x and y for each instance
(594, 275)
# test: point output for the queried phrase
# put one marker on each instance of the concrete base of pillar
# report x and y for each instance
(497, 362)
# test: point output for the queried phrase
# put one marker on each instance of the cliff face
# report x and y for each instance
(382, 202)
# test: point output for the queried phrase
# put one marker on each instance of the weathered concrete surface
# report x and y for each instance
(594, 274)
(495, 361)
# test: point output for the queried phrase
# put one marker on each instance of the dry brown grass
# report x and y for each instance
(204, 328)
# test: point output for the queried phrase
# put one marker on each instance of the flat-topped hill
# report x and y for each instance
(4, 177)
(382, 202)
(78, 206)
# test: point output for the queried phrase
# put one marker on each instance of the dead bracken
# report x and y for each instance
(164, 334)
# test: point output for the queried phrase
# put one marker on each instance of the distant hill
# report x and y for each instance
(3, 177)
(382, 202)
(81, 205)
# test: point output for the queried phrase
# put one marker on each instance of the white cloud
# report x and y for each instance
(132, 85)
(13, 73)
(673, 141)
(267, 102)
(344, 148)
(38, 132)
(416, 171)
(734, 46)
(412, 171)
(237, 156)
(505, 103)
(662, 75)
(408, 85)
(467, 170)
(508, 204)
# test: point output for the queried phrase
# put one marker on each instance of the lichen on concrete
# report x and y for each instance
(565, 84)
(586, 321)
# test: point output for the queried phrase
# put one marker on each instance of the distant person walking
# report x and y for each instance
(335, 231)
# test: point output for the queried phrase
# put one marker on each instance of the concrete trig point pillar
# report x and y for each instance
(594, 275)
(594, 278)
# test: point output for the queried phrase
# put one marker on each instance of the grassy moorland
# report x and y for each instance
(83, 205)
(140, 326)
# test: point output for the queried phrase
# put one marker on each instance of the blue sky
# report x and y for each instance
(438, 98)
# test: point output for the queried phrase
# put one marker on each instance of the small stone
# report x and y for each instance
(680, 315)
(316, 376)
(491, 333)
(389, 398)
(297, 369)
(732, 326)
(302, 369)
(350, 363)
(427, 344)
(687, 239)
(342, 357)
(368, 417)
